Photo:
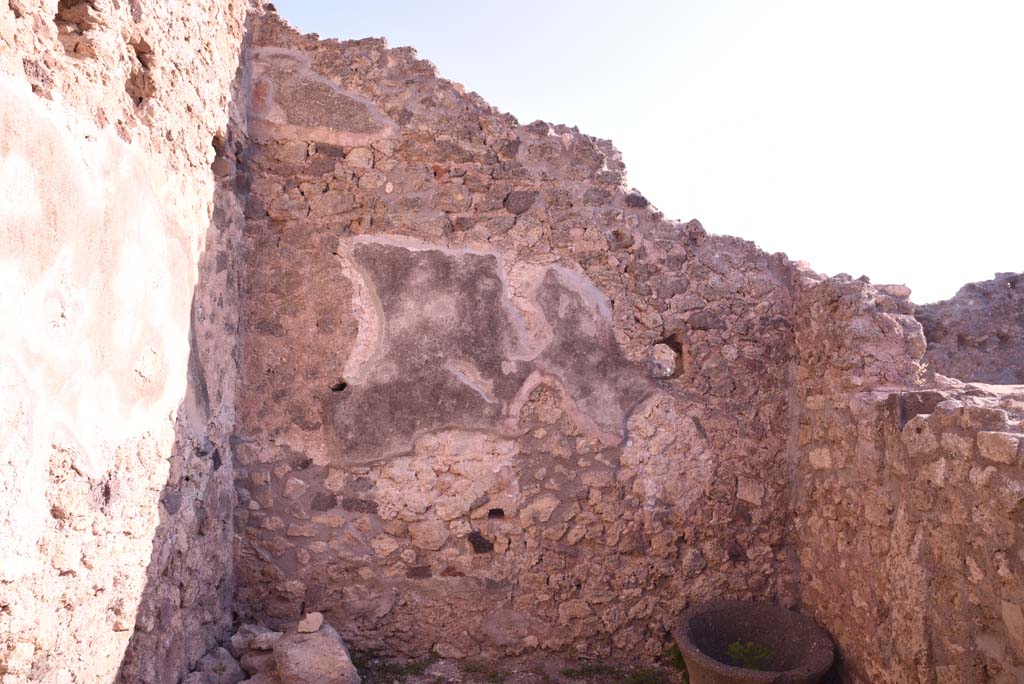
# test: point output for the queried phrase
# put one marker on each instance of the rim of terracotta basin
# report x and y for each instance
(815, 643)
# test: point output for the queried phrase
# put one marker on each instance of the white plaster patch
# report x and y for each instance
(87, 281)
(21, 206)
(23, 476)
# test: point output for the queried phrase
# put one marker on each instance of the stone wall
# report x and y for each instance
(464, 391)
(117, 344)
(908, 498)
(490, 401)
(978, 335)
(910, 534)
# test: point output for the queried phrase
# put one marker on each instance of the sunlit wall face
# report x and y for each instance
(873, 138)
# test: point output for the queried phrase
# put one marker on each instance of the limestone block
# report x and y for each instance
(316, 658)
(1001, 447)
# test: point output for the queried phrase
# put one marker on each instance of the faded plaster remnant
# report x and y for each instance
(451, 352)
(288, 99)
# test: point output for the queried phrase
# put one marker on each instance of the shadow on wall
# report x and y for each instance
(185, 607)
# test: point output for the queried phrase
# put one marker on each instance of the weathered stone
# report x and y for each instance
(1013, 618)
(574, 609)
(430, 535)
(294, 488)
(360, 157)
(265, 677)
(244, 639)
(978, 335)
(538, 510)
(452, 198)
(310, 623)
(254, 662)
(820, 458)
(221, 665)
(302, 530)
(519, 201)
(199, 678)
(331, 203)
(750, 491)
(1001, 447)
(116, 209)
(317, 658)
(691, 562)
(663, 361)
(265, 640)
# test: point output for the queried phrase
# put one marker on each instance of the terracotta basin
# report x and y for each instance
(744, 642)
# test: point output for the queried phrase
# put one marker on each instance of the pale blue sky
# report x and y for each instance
(883, 138)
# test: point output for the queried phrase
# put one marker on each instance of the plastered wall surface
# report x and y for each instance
(116, 355)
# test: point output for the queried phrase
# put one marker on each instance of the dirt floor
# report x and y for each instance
(513, 671)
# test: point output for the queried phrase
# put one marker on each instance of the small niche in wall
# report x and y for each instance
(339, 386)
(496, 513)
(667, 357)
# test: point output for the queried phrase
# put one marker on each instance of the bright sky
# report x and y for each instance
(878, 137)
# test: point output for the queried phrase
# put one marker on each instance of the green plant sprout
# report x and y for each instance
(750, 655)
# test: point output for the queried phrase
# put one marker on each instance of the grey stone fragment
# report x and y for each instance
(519, 201)
(241, 640)
(222, 666)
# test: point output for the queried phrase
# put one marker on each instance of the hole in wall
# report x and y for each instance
(339, 386)
(140, 85)
(668, 357)
(496, 513)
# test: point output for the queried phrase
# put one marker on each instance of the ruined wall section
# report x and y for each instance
(491, 401)
(117, 353)
(908, 497)
(978, 335)
(852, 336)
(912, 542)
